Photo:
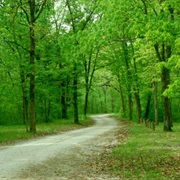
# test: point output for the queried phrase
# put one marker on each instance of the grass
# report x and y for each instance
(11, 134)
(148, 154)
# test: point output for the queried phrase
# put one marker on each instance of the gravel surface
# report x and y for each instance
(76, 155)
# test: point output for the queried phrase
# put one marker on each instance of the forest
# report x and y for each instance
(60, 59)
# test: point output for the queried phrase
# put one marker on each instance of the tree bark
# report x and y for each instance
(24, 100)
(129, 80)
(75, 94)
(166, 101)
(130, 105)
(156, 114)
(64, 104)
(163, 56)
(136, 87)
(146, 115)
(86, 102)
(138, 105)
(92, 104)
(32, 68)
(89, 74)
(122, 96)
(87, 71)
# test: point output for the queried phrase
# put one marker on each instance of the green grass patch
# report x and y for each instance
(11, 134)
(148, 154)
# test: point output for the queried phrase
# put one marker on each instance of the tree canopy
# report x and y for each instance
(59, 59)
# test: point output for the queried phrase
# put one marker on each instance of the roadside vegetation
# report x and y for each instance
(10, 134)
(147, 154)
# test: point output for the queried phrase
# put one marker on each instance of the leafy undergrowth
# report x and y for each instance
(11, 134)
(147, 154)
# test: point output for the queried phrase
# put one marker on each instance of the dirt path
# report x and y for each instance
(74, 155)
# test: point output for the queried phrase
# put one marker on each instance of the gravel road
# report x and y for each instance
(69, 155)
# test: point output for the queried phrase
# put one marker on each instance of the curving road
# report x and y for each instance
(16, 158)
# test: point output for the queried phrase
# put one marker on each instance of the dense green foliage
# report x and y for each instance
(59, 59)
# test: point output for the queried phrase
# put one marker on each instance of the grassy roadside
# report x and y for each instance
(148, 154)
(11, 134)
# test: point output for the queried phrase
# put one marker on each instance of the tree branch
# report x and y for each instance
(41, 9)
(156, 46)
(25, 12)
(8, 42)
(71, 13)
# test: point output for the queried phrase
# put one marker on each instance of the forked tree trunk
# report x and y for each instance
(89, 67)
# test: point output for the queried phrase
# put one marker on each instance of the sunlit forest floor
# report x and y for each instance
(147, 154)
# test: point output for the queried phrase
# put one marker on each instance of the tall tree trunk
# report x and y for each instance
(64, 105)
(136, 87)
(25, 110)
(75, 94)
(32, 68)
(63, 95)
(25, 102)
(165, 80)
(89, 74)
(166, 101)
(86, 102)
(87, 71)
(156, 114)
(92, 104)
(122, 96)
(129, 80)
(24, 95)
(147, 110)
(138, 105)
(122, 101)
(130, 105)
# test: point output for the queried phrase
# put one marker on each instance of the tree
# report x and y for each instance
(163, 39)
(80, 15)
(89, 67)
(144, 22)
(27, 13)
